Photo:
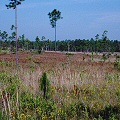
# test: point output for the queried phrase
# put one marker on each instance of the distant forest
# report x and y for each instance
(102, 44)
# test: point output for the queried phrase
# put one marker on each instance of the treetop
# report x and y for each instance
(13, 3)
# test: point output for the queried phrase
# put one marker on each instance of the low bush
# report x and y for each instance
(117, 62)
(68, 54)
(117, 65)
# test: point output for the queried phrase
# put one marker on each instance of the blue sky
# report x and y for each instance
(82, 19)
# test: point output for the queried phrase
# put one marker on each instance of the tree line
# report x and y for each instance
(96, 44)
(13, 42)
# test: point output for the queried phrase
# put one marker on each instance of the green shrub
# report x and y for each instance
(82, 110)
(108, 112)
(69, 54)
(71, 111)
(104, 57)
(44, 85)
(39, 51)
(27, 101)
(0, 50)
(117, 65)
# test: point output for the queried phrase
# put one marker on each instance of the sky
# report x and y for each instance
(82, 19)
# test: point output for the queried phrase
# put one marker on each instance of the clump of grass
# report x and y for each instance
(69, 54)
(104, 57)
(117, 62)
(117, 65)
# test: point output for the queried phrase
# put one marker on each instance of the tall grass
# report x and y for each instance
(79, 89)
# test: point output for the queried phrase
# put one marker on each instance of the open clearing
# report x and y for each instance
(77, 79)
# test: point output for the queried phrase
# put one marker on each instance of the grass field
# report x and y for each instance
(83, 86)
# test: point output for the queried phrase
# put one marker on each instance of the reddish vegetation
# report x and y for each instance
(11, 57)
(63, 69)
(55, 58)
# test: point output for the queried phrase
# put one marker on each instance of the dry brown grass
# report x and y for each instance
(92, 82)
(63, 70)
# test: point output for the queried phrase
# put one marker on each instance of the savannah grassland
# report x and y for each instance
(82, 86)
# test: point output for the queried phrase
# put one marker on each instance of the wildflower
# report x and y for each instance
(44, 117)
(59, 111)
(53, 88)
(38, 110)
(52, 117)
(28, 116)
(12, 114)
(84, 97)
(22, 117)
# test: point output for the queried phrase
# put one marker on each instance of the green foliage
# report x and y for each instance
(36, 107)
(71, 111)
(29, 58)
(104, 57)
(9, 83)
(44, 85)
(6, 79)
(82, 110)
(108, 113)
(117, 65)
(54, 16)
(85, 101)
(0, 50)
(117, 62)
(14, 3)
(13, 49)
(0, 114)
(27, 101)
(68, 54)
(93, 45)
(6, 64)
(3, 35)
(39, 51)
